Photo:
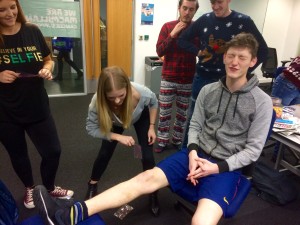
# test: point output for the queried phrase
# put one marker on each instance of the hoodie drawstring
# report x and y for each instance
(236, 102)
(237, 98)
(220, 100)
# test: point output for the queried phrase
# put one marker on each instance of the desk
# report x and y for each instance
(292, 141)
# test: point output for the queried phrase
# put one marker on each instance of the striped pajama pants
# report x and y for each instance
(170, 92)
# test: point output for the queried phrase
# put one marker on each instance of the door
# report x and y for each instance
(119, 33)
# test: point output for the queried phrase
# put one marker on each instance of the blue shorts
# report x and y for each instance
(220, 188)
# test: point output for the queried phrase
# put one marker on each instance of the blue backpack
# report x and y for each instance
(8, 208)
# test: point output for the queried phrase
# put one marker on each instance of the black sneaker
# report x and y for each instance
(79, 75)
(50, 210)
(92, 191)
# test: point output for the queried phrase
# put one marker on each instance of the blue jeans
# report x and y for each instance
(198, 83)
(290, 95)
(286, 90)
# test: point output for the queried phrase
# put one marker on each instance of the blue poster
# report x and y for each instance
(147, 12)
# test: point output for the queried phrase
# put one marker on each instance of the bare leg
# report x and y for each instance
(208, 212)
(144, 183)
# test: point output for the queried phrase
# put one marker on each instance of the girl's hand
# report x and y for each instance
(151, 135)
(45, 73)
(8, 76)
(126, 140)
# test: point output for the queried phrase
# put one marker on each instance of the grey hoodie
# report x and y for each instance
(232, 127)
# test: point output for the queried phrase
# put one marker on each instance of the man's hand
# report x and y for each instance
(193, 166)
(176, 30)
(204, 169)
(200, 167)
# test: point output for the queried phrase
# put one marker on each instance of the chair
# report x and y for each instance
(269, 66)
(37, 220)
(270, 141)
(280, 69)
(243, 188)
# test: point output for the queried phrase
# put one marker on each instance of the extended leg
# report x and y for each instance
(144, 183)
(54, 213)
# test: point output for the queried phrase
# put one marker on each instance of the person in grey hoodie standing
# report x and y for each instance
(228, 130)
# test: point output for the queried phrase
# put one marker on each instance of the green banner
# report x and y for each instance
(54, 18)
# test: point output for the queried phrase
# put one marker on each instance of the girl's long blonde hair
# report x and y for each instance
(113, 78)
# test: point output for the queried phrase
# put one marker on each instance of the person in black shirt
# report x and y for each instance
(24, 105)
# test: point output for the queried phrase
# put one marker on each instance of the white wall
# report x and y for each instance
(281, 31)
(292, 41)
(164, 10)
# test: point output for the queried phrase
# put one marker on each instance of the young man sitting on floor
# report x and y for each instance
(228, 130)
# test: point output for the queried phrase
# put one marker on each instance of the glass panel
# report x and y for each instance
(60, 23)
(103, 34)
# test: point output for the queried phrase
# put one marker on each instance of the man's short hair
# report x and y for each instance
(197, 3)
(244, 40)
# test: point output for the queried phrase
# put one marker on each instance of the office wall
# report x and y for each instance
(281, 30)
(164, 10)
(292, 39)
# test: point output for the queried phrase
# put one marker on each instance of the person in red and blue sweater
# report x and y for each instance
(214, 29)
(177, 75)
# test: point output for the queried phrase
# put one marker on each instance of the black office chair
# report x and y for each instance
(269, 66)
(280, 69)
